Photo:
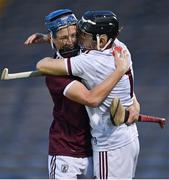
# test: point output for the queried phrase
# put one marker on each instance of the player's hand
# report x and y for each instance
(121, 59)
(134, 111)
(37, 38)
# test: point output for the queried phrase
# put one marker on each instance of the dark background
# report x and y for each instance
(26, 107)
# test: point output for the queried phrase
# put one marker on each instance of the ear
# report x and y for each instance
(103, 40)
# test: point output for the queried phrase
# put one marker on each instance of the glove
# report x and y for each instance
(119, 114)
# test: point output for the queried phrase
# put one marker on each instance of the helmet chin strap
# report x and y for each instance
(98, 43)
(51, 40)
(107, 44)
(52, 45)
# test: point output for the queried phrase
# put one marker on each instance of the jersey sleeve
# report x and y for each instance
(80, 66)
(67, 87)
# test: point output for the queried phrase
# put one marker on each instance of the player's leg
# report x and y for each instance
(136, 144)
(100, 162)
(119, 163)
(87, 171)
(65, 167)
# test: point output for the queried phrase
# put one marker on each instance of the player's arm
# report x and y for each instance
(58, 67)
(79, 93)
(92, 98)
(134, 111)
(37, 38)
(52, 66)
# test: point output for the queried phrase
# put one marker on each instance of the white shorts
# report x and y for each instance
(66, 167)
(117, 164)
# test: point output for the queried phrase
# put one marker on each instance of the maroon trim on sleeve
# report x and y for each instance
(69, 66)
(86, 52)
(129, 74)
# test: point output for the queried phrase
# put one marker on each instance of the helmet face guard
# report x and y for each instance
(67, 52)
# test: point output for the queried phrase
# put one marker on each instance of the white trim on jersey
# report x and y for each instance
(67, 87)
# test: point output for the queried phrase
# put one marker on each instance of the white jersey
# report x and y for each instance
(93, 68)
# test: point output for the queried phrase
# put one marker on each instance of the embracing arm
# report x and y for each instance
(55, 67)
(77, 91)
(37, 38)
(52, 66)
(134, 111)
(92, 98)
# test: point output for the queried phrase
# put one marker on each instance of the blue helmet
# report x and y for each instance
(59, 19)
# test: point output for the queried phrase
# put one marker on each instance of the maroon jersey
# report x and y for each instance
(69, 133)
